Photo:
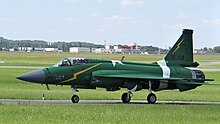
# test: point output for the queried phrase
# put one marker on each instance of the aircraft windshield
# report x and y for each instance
(72, 62)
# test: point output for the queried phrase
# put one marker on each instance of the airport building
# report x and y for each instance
(51, 49)
(132, 49)
(79, 50)
(28, 49)
(35, 49)
(97, 50)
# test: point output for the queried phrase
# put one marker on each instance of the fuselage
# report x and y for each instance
(82, 74)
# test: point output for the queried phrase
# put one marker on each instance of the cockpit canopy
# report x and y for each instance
(72, 62)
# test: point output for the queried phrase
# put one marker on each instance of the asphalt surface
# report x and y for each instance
(209, 70)
(209, 63)
(68, 102)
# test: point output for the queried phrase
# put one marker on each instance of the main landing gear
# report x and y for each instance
(126, 97)
(75, 98)
(151, 98)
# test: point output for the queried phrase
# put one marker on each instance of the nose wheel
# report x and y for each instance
(75, 99)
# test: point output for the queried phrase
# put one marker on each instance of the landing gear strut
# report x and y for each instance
(126, 97)
(75, 98)
(151, 98)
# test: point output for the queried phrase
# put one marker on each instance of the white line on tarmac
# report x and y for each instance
(18, 102)
(209, 63)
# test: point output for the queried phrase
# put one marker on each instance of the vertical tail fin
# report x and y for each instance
(182, 51)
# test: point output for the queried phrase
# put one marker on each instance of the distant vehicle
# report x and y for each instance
(172, 72)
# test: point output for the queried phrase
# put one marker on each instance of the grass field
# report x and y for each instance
(50, 58)
(10, 88)
(211, 66)
(16, 89)
(122, 113)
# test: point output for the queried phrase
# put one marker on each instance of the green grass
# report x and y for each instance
(207, 58)
(122, 113)
(211, 66)
(50, 58)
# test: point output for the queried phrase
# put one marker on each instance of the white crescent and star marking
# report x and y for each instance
(114, 62)
(161, 63)
(165, 68)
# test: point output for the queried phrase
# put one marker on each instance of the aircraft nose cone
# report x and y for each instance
(37, 76)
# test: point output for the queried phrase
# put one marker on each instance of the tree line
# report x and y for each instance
(6, 44)
(61, 45)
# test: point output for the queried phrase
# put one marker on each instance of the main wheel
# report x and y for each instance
(151, 98)
(126, 98)
(75, 99)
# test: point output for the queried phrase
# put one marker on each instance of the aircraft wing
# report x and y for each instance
(127, 74)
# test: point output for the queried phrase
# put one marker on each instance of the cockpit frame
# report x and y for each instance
(72, 62)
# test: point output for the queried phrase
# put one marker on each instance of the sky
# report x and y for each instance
(145, 22)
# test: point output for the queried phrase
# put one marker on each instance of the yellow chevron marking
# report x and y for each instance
(178, 46)
(80, 72)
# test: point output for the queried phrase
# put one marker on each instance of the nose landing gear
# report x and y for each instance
(75, 98)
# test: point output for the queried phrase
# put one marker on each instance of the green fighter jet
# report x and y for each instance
(175, 71)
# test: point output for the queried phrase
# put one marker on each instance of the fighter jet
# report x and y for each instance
(175, 71)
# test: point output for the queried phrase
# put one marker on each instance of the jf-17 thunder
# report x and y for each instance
(175, 71)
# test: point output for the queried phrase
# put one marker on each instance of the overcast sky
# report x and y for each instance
(146, 22)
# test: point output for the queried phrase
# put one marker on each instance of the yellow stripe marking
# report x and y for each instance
(80, 72)
(178, 46)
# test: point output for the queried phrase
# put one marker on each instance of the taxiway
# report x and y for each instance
(19, 101)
